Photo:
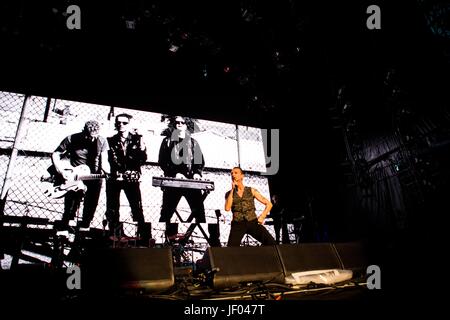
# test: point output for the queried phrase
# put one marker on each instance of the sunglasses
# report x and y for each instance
(180, 122)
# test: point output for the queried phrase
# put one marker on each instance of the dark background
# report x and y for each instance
(274, 64)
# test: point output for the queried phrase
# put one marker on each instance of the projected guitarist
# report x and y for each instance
(127, 154)
(83, 148)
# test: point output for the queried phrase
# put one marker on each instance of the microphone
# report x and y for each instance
(212, 271)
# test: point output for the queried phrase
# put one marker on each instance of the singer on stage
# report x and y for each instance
(240, 200)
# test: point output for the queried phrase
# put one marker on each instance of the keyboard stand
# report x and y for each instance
(191, 229)
(193, 225)
(191, 216)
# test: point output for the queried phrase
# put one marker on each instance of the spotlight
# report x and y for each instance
(184, 36)
(247, 14)
(130, 24)
(173, 48)
(243, 79)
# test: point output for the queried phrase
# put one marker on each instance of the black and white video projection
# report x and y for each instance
(32, 127)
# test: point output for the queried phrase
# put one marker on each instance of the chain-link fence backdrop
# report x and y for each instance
(35, 126)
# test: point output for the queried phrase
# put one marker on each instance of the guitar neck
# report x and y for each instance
(91, 177)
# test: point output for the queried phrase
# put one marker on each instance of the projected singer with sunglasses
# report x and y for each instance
(180, 157)
(126, 155)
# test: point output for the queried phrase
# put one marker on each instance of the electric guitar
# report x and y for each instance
(56, 186)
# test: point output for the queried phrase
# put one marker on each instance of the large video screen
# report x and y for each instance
(33, 127)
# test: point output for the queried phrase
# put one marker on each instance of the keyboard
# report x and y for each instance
(167, 182)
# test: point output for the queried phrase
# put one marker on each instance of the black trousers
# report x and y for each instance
(133, 193)
(281, 225)
(171, 198)
(253, 228)
(73, 199)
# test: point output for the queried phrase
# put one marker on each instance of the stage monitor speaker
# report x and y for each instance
(237, 265)
(148, 269)
(321, 256)
(353, 255)
(308, 257)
